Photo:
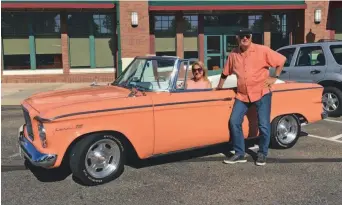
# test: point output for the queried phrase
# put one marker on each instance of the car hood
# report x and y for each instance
(55, 99)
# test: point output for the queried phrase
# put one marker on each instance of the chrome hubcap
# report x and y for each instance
(102, 158)
(330, 102)
(287, 130)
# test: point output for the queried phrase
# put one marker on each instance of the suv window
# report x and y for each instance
(288, 53)
(311, 56)
(336, 51)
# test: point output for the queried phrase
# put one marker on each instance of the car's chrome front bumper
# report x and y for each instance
(27, 149)
(324, 114)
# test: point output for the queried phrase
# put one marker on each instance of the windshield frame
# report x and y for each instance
(173, 76)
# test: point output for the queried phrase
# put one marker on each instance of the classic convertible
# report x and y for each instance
(148, 110)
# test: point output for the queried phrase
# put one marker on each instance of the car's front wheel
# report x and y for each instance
(285, 131)
(97, 159)
(332, 100)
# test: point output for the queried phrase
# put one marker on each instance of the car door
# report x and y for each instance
(310, 65)
(190, 118)
(288, 53)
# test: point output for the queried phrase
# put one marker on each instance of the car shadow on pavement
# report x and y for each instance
(203, 155)
(48, 175)
(195, 154)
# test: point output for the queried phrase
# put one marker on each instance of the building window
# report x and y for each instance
(15, 40)
(104, 40)
(79, 26)
(191, 24)
(256, 24)
(103, 24)
(46, 23)
(92, 40)
(166, 53)
(47, 31)
(165, 23)
(280, 35)
(191, 54)
(165, 35)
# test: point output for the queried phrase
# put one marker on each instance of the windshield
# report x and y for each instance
(148, 74)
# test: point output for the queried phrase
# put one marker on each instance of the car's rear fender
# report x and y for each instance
(301, 99)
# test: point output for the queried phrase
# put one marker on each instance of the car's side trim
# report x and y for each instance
(294, 89)
(40, 119)
(90, 112)
(191, 102)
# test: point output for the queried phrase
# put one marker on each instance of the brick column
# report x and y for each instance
(201, 37)
(65, 44)
(312, 31)
(179, 35)
(135, 41)
(152, 36)
(267, 28)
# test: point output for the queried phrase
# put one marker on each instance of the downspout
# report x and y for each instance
(119, 59)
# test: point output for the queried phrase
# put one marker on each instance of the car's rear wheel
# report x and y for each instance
(285, 131)
(332, 100)
(97, 159)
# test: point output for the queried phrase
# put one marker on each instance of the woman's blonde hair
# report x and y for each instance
(205, 70)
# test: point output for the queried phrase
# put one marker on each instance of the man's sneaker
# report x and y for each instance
(235, 159)
(261, 160)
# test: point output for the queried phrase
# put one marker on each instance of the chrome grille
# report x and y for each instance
(28, 123)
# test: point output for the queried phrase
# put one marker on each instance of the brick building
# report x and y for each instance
(67, 41)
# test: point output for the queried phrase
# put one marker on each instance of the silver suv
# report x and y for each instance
(319, 62)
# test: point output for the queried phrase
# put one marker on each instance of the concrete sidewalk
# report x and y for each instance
(15, 93)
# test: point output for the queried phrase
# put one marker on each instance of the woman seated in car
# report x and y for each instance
(200, 79)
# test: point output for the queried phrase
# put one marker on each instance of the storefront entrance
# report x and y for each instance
(216, 51)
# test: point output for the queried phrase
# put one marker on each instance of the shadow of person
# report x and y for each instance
(310, 37)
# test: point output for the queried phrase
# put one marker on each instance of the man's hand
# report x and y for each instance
(270, 81)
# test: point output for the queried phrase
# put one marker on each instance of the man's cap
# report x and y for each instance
(244, 31)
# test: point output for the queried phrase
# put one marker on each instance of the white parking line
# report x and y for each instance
(336, 137)
(329, 120)
(325, 138)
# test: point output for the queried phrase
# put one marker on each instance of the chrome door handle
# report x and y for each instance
(315, 71)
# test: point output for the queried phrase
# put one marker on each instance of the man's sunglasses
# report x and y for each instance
(198, 69)
(248, 36)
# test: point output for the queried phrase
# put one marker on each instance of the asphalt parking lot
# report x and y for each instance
(308, 173)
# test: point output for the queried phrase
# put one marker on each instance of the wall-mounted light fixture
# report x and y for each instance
(318, 15)
(134, 19)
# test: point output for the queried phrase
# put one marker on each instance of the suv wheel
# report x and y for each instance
(332, 99)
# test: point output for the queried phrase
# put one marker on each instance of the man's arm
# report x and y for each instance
(227, 70)
(276, 60)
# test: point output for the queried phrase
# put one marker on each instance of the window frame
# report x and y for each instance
(293, 55)
(306, 47)
(331, 47)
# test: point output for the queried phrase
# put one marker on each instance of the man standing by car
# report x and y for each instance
(250, 63)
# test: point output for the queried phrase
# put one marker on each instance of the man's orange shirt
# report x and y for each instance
(252, 70)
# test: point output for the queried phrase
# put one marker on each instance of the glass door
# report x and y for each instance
(213, 50)
(216, 51)
(230, 43)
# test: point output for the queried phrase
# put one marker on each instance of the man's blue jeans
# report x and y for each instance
(263, 108)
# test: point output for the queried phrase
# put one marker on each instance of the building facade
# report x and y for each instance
(95, 40)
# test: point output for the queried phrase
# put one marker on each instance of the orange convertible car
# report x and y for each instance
(147, 109)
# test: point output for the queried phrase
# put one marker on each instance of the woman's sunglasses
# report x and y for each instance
(197, 69)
